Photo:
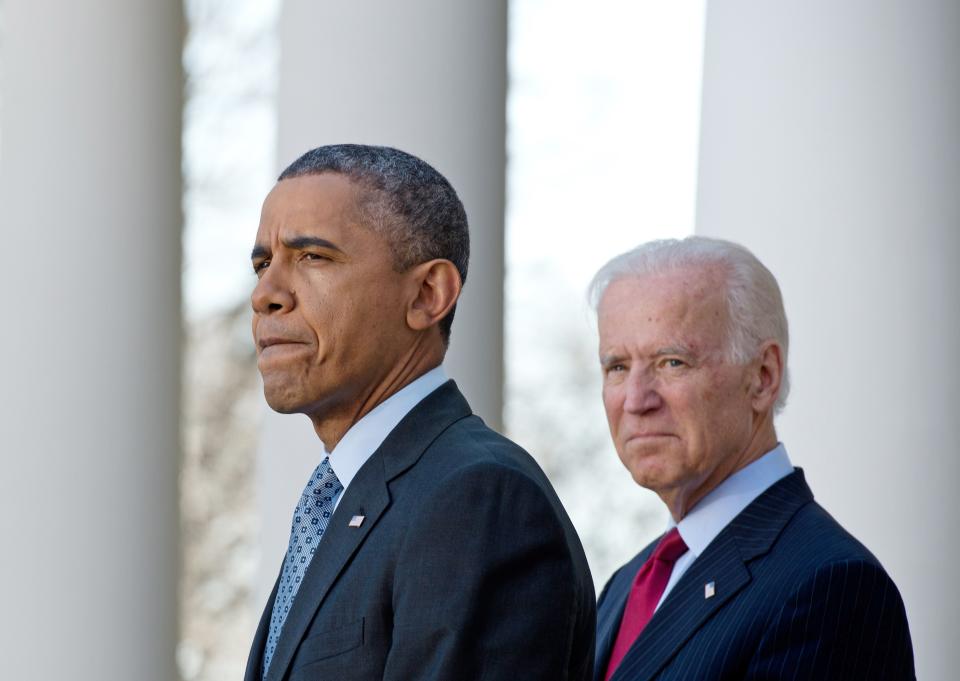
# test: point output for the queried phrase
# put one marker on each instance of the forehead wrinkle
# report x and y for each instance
(671, 348)
(679, 311)
(651, 340)
(299, 231)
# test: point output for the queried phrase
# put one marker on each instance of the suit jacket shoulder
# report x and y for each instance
(485, 534)
(795, 595)
(465, 566)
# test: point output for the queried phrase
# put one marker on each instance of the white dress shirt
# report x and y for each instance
(715, 511)
(367, 434)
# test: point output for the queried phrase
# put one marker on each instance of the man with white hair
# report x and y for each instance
(753, 579)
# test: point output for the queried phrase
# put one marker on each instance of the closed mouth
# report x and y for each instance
(646, 436)
(268, 342)
(270, 350)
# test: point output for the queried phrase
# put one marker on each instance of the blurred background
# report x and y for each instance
(146, 488)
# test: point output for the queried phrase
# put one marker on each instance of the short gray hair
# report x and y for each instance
(754, 304)
(407, 200)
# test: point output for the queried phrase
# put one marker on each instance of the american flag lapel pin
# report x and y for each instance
(356, 521)
(709, 590)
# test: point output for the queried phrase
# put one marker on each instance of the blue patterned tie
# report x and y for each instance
(310, 519)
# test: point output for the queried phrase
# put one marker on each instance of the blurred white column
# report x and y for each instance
(830, 147)
(91, 219)
(428, 77)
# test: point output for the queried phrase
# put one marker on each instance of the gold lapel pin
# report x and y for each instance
(709, 590)
(356, 521)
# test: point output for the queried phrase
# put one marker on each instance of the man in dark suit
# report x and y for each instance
(425, 545)
(753, 579)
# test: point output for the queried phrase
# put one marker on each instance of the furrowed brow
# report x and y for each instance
(259, 252)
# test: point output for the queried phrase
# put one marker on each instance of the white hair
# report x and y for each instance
(755, 311)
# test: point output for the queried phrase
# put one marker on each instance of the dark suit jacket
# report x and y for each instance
(796, 597)
(465, 567)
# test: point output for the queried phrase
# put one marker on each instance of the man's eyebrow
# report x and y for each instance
(299, 242)
(296, 243)
(611, 358)
(673, 350)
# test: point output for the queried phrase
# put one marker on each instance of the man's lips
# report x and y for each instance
(653, 435)
(269, 341)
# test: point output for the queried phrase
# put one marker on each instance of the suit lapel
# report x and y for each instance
(724, 563)
(685, 610)
(368, 495)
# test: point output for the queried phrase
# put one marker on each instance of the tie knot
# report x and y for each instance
(323, 476)
(670, 547)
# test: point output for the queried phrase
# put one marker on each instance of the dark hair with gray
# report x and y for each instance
(755, 311)
(406, 200)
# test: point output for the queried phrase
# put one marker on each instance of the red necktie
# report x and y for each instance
(648, 586)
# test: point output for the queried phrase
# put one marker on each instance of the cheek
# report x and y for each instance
(723, 412)
(329, 318)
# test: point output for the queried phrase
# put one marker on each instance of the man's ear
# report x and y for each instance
(765, 385)
(438, 287)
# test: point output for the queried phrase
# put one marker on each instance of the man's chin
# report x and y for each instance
(651, 471)
(282, 401)
(648, 479)
(283, 408)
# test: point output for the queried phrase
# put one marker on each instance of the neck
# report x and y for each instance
(331, 425)
(681, 501)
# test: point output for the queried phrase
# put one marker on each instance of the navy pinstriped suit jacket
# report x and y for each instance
(796, 597)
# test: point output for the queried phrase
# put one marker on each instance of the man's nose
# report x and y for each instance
(272, 294)
(642, 395)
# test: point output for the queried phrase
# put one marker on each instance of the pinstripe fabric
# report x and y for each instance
(797, 598)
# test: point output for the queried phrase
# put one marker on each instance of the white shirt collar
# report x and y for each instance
(367, 434)
(715, 511)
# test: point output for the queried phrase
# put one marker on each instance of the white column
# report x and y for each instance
(428, 77)
(830, 147)
(90, 215)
